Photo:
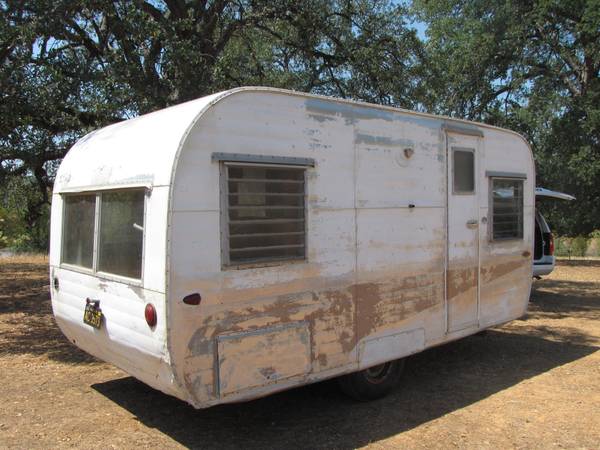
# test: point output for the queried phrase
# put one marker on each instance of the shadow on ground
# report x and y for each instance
(436, 382)
(560, 299)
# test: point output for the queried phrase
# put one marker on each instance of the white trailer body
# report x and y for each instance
(323, 237)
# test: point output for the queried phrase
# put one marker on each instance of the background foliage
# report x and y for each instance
(70, 66)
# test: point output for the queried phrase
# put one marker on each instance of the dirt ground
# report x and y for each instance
(533, 383)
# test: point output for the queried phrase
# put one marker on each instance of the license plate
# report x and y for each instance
(92, 314)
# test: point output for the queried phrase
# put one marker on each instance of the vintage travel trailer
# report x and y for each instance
(260, 239)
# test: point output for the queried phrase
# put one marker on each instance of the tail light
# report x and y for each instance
(551, 245)
(150, 314)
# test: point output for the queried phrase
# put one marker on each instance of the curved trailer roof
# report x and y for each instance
(143, 151)
(136, 152)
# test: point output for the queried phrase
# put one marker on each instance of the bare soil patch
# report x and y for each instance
(533, 383)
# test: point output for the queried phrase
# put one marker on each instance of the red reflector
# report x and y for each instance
(551, 244)
(150, 314)
(192, 299)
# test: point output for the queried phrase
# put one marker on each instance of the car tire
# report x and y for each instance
(374, 382)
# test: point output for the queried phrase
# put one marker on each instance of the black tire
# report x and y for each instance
(374, 382)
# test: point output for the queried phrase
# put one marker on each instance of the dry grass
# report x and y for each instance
(29, 258)
(533, 383)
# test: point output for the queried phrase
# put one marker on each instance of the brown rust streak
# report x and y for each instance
(330, 313)
(337, 321)
(379, 302)
(460, 280)
(322, 359)
(464, 278)
(339, 317)
(461, 285)
(389, 302)
(491, 272)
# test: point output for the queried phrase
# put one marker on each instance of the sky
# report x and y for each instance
(421, 28)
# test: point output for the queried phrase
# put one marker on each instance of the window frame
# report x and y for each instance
(75, 267)
(507, 177)
(466, 150)
(226, 263)
(97, 220)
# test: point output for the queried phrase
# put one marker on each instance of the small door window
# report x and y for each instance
(463, 173)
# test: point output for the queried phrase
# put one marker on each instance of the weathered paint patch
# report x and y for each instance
(384, 348)
(494, 270)
(503, 280)
(385, 304)
(461, 292)
(383, 141)
(265, 356)
(460, 280)
(353, 113)
(341, 318)
(321, 118)
(334, 316)
(349, 112)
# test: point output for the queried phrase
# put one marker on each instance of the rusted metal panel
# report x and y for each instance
(263, 356)
(388, 303)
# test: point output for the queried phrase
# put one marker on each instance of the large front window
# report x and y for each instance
(104, 232)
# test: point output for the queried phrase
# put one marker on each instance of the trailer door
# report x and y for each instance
(462, 276)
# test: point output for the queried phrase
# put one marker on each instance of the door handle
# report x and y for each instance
(473, 223)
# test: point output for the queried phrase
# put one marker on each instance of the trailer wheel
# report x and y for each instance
(374, 382)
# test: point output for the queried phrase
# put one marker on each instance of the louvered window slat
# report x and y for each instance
(507, 209)
(264, 213)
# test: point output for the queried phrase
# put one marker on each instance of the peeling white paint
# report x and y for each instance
(379, 269)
